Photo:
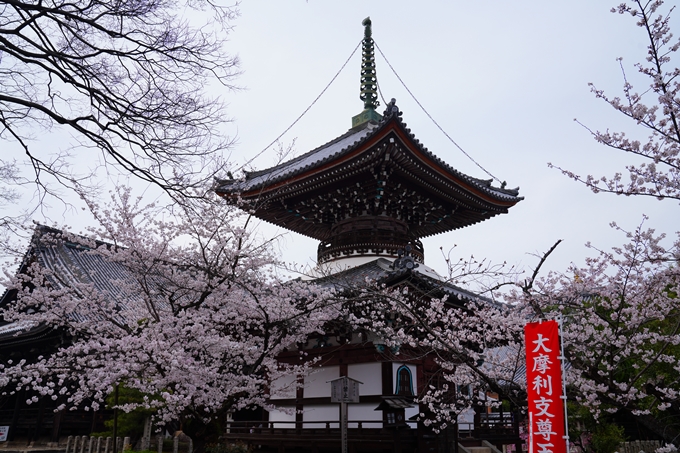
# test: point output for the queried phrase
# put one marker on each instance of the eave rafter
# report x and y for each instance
(385, 172)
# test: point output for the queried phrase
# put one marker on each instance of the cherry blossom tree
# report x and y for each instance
(469, 343)
(622, 325)
(654, 111)
(621, 330)
(185, 308)
(620, 310)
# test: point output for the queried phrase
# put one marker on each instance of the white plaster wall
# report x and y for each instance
(283, 387)
(322, 412)
(414, 375)
(280, 416)
(344, 263)
(410, 412)
(317, 385)
(363, 412)
(368, 373)
(466, 420)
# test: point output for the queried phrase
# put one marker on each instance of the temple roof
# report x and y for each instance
(377, 169)
(382, 272)
(71, 264)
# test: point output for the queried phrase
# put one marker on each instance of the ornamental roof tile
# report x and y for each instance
(380, 271)
(71, 263)
(343, 145)
(317, 156)
(378, 171)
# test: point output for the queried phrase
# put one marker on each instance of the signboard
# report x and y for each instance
(345, 390)
(3, 433)
(544, 388)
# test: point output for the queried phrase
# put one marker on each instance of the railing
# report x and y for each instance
(85, 444)
(310, 426)
(318, 434)
(496, 420)
(637, 446)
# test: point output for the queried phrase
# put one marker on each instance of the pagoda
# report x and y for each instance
(368, 196)
(371, 191)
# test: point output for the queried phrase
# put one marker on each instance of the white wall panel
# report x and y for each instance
(363, 412)
(410, 412)
(279, 416)
(368, 373)
(467, 417)
(283, 387)
(322, 412)
(317, 385)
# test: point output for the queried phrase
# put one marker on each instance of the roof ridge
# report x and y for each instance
(294, 160)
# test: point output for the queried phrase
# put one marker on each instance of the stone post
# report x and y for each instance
(175, 444)
(146, 437)
(107, 445)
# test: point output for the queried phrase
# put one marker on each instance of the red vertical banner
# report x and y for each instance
(544, 388)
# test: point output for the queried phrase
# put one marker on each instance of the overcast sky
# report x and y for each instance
(504, 79)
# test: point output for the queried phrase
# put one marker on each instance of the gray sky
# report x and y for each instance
(504, 79)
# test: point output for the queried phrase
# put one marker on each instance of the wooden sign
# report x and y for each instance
(345, 390)
(3, 433)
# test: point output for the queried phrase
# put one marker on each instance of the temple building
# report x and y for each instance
(368, 196)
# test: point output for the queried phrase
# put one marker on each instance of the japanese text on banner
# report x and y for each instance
(544, 388)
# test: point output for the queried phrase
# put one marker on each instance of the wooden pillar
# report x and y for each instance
(515, 423)
(56, 427)
(15, 415)
(456, 437)
(387, 386)
(93, 426)
(397, 442)
(115, 419)
(39, 420)
(299, 406)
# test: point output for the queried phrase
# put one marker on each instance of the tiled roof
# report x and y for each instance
(380, 271)
(71, 263)
(342, 145)
(316, 157)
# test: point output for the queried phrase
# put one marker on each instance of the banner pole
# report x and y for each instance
(564, 382)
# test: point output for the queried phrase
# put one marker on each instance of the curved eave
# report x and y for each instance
(478, 199)
(295, 175)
